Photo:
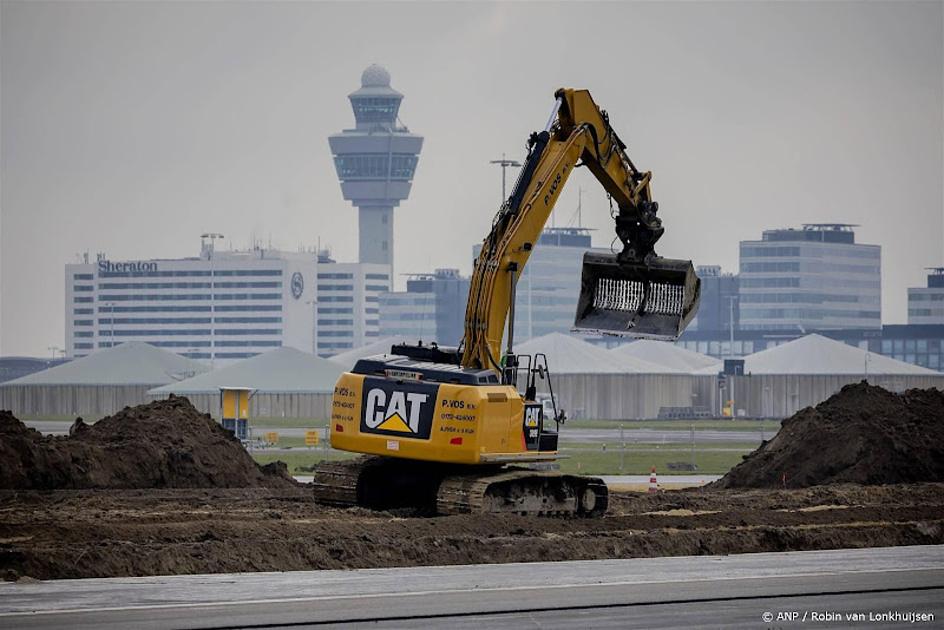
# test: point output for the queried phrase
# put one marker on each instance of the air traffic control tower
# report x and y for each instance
(375, 162)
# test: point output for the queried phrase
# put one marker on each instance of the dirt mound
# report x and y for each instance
(11, 427)
(163, 444)
(863, 434)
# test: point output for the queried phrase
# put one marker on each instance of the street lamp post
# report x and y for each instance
(731, 299)
(505, 163)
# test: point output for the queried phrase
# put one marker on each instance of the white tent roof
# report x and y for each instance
(131, 363)
(815, 354)
(666, 354)
(283, 370)
(348, 358)
(569, 355)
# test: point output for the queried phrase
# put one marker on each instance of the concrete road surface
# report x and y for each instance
(764, 590)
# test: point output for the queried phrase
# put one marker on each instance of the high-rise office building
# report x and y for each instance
(431, 309)
(814, 278)
(926, 304)
(375, 162)
(719, 308)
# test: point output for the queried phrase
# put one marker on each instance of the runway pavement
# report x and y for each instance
(781, 590)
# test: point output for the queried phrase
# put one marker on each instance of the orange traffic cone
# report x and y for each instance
(653, 482)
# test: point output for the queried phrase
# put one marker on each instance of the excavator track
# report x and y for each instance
(384, 483)
(335, 483)
(523, 491)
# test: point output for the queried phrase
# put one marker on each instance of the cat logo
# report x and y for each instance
(532, 427)
(401, 409)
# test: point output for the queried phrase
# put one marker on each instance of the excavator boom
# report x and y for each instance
(632, 292)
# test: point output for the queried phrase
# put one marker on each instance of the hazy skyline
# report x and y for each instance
(130, 128)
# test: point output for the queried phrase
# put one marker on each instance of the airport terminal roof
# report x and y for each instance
(815, 354)
(284, 370)
(570, 355)
(666, 354)
(131, 363)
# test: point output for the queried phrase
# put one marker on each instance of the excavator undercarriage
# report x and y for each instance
(387, 483)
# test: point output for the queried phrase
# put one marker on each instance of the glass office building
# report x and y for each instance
(719, 308)
(814, 278)
(431, 309)
(926, 304)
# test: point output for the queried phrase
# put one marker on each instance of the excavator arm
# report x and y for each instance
(441, 436)
(630, 293)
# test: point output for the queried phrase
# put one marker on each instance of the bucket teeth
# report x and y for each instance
(654, 300)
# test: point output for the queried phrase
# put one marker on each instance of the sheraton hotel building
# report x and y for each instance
(224, 305)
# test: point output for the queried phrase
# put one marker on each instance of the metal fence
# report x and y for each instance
(88, 401)
(268, 405)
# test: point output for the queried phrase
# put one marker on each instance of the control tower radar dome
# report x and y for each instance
(375, 75)
(375, 162)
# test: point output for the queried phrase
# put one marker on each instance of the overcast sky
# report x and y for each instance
(130, 128)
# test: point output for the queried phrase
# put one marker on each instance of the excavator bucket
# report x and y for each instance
(651, 301)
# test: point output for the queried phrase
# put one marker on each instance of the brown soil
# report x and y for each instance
(183, 496)
(863, 434)
(95, 533)
(164, 444)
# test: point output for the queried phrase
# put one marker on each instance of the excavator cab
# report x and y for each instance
(652, 299)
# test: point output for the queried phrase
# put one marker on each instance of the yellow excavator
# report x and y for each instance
(445, 430)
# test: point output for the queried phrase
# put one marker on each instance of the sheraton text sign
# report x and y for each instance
(106, 266)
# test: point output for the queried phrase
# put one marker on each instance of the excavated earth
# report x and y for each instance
(862, 434)
(97, 533)
(161, 489)
(163, 444)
